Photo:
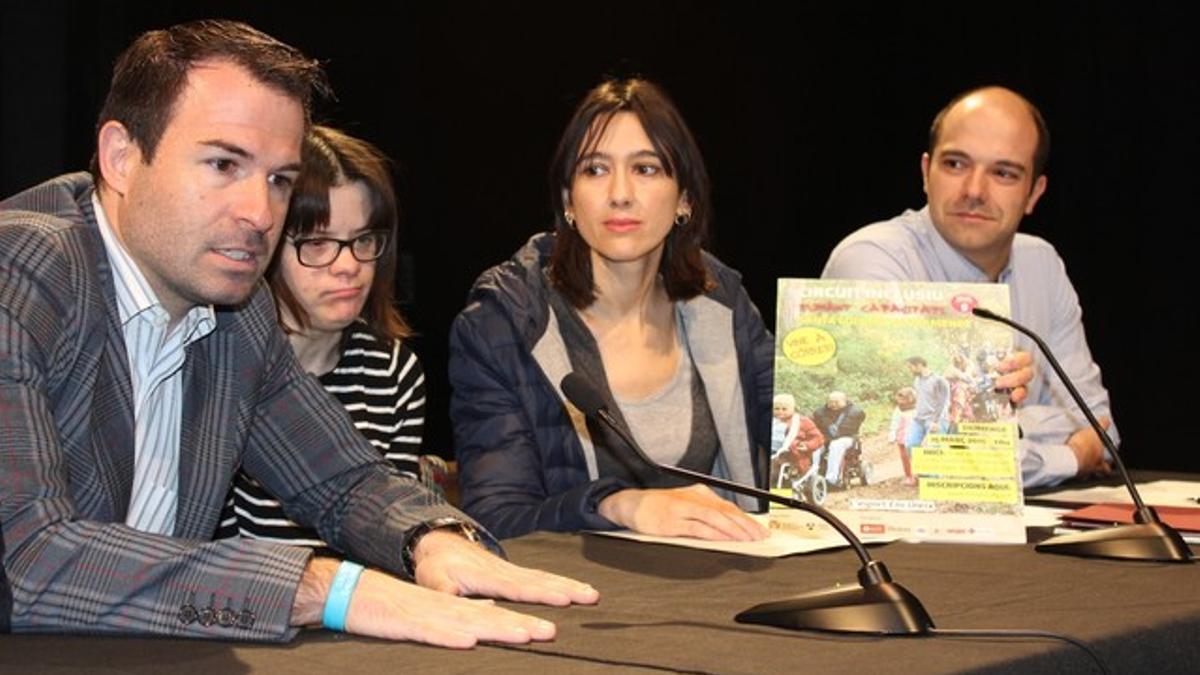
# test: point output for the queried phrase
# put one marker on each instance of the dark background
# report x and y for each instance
(812, 119)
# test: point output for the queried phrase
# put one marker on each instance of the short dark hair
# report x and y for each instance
(916, 361)
(682, 266)
(1041, 153)
(329, 159)
(150, 74)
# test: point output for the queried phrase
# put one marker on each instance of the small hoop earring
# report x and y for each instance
(682, 219)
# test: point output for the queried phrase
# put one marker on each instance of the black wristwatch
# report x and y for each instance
(467, 530)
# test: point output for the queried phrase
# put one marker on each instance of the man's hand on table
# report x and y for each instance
(447, 565)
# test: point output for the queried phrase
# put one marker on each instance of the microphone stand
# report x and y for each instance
(1148, 538)
(877, 605)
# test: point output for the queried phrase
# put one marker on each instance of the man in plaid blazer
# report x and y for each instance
(197, 147)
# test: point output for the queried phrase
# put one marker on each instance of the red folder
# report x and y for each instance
(1182, 518)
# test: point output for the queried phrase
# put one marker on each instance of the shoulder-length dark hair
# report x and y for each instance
(682, 266)
(331, 159)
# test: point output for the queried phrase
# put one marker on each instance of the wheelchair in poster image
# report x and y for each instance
(808, 482)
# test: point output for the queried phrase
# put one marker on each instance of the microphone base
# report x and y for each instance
(885, 608)
(1156, 542)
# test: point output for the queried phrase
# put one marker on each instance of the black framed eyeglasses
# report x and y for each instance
(322, 251)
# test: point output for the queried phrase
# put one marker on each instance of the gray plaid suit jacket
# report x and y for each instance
(67, 452)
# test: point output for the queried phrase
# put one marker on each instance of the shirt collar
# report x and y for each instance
(135, 296)
(954, 262)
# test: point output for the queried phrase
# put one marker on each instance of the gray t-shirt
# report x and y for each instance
(681, 407)
(674, 423)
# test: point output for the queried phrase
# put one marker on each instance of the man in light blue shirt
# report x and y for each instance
(983, 172)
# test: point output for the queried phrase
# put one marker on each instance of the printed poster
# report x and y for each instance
(886, 412)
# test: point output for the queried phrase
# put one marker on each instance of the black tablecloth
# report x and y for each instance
(671, 609)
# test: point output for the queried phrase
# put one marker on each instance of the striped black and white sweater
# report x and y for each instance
(380, 383)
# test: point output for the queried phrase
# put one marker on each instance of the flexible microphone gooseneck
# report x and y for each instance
(1148, 538)
(878, 605)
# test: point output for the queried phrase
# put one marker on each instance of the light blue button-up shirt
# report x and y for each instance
(156, 352)
(909, 248)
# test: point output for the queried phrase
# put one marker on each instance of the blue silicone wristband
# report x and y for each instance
(337, 603)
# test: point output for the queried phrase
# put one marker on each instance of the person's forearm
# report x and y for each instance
(1044, 464)
(312, 592)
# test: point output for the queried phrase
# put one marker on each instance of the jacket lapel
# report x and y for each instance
(112, 404)
(708, 331)
(550, 353)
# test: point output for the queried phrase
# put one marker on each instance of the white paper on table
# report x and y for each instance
(1155, 493)
(778, 544)
(1033, 515)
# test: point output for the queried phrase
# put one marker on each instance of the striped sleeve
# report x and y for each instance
(380, 383)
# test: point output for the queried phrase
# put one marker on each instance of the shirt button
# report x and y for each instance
(226, 617)
(207, 616)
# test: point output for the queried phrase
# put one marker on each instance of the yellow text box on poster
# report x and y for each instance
(987, 428)
(969, 490)
(970, 441)
(972, 462)
(950, 440)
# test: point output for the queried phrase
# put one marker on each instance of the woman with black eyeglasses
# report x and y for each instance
(332, 278)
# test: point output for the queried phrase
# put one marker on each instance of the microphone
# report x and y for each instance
(1148, 538)
(877, 605)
